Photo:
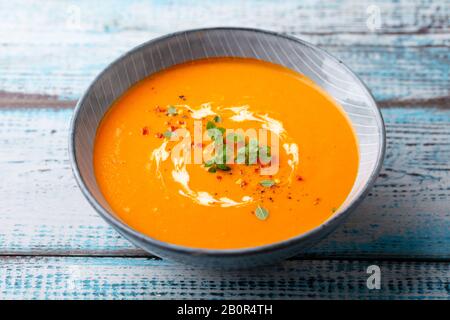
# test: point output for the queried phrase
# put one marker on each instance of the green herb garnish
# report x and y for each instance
(222, 130)
(223, 167)
(210, 125)
(214, 131)
(209, 163)
(261, 213)
(168, 134)
(253, 149)
(247, 152)
(212, 169)
(267, 183)
(264, 154)
(172, 111)
(242, 155)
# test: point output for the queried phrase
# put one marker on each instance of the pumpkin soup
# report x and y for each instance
(225, 153)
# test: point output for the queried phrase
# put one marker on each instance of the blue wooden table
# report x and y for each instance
(54, 246)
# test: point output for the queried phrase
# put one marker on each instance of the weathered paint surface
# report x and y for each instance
(138, 278)
(406, 214)
(57, 47)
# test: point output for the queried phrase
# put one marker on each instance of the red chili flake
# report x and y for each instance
(173, 128)
(159, 109)
(159, 135)
(145, 131)
(181, 122)
(299, 178)
(317, 201)
(182, 97)
(219, 177)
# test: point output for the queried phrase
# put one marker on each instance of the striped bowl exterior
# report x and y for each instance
(327, 72)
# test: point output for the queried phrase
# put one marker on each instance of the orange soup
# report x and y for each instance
(225, 153)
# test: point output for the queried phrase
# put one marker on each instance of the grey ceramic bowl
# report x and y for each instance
(329, 73)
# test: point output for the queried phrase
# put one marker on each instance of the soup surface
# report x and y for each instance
(177, 157)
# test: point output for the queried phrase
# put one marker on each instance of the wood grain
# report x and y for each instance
(314, 17)
(51, 50)
(30, 100)
(406, 214)
(138, 278)
(58, 47)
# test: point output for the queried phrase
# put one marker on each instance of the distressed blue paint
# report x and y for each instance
(406, 215)
(416, 115)
(48, 54)
(137, 278)
(387, 73)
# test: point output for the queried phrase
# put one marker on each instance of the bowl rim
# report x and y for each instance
(179, 249)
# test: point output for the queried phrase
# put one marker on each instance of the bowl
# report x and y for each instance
(327, 72)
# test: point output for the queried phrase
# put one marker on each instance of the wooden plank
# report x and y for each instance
(349, 16)
(393, 73)
(406, 215)
(57, 48)
(29, 100)
(138, 278)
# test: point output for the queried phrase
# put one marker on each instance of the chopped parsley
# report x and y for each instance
(172, 111)
(261, 213)
(168, 134)
(267, 183)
